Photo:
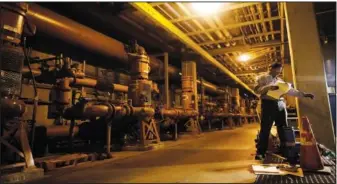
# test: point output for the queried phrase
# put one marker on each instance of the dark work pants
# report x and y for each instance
(271, 111)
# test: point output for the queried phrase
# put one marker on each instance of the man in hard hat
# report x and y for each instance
(273, 109)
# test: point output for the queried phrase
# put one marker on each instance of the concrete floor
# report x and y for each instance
(219, 156)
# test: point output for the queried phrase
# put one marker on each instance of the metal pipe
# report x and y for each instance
(86, 111)
(72, 32)
(108, 138)
(167, 92)
(142, 111)
(25, 71)
(210, 104)
(77, 34)
(90, 110)
(211, 87)
(220, 115)
(179, 113)
(202, 95)
(96, 111)
(87, 82)
(61, 131)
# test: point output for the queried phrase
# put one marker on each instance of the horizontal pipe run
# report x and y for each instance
(142, 111)
(220, 115)
(61, 131)
(93, 83)
(209, 87)
(90, 110)
(87, 82)
(65, 29)
(225, 115)
(179, 113)
(74, 33)
(84, 82)
(210, 104)
(26, 71)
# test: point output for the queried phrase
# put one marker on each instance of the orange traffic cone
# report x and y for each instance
(310, 158)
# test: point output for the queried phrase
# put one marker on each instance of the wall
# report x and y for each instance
(329, 54)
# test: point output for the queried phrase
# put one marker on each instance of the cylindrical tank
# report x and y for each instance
(189, 85)
(140, 87)
(12, 55)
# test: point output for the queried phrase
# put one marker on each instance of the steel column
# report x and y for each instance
(288, 77)
(308, 70)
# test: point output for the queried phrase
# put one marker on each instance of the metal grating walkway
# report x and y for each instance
(308, 177)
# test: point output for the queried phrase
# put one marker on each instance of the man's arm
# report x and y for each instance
(299, 94)
(262, 87)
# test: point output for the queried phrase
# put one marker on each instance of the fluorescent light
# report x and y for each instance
(207, 8)
(244, 57)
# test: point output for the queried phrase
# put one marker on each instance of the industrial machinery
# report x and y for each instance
(229, 109)
(188, 114)
(14, 130)
(53, 104)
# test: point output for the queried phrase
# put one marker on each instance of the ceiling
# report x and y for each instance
(237, 29)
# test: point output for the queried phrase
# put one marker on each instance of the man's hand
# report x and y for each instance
(273, 88)
(309, 95)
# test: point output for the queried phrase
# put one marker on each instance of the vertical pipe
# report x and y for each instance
(108, 139)
(71, 132)
(202, 95)
(167, 92)
(175, 131)
(195, 86)
(142, 132)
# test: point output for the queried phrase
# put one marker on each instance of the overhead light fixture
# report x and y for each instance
(244, 57)
(207, 8)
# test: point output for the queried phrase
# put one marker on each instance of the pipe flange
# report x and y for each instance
(129, 110)
(111, 113)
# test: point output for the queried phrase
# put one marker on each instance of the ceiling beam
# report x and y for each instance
(224, 39)
(160, 20)
(157, 3)
(251, 72)
(224, 9)
(229, 26)
(245, 48)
